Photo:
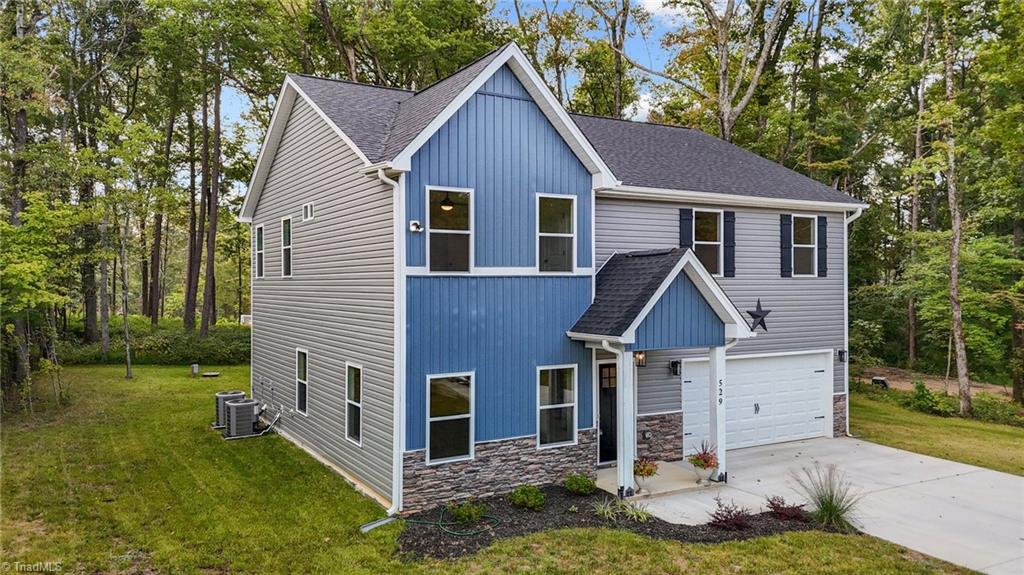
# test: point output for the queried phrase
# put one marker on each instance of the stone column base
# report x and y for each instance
(839, 415)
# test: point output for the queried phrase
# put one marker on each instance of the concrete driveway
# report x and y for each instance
(963, 514)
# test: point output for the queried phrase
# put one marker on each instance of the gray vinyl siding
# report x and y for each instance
(806, 312)
(339, 302)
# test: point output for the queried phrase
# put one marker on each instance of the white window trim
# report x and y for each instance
(258, 231)
(291, 250)
(574, 405)
(793, 245)
(349, 401)
(471, 232)
(472, 418)
(305, 382)
(311, 211)
(720, 242)
(538, 234)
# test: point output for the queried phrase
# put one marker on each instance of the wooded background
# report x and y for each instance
(121, 180)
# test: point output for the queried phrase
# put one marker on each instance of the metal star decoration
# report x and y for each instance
(758, 316)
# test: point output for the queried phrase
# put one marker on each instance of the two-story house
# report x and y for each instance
(466, 288)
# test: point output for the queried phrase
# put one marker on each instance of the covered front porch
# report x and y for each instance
(655, 300)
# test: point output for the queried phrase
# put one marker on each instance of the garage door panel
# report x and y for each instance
(768, 399)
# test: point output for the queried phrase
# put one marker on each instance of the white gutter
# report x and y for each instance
(398, 426)
(644, 193)
(856, 214)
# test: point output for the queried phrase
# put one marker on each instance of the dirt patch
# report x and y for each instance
(904, 379)
(422, 537)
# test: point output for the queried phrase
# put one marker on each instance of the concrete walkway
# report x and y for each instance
(967, 515)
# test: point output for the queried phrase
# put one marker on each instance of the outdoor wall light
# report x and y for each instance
(842, 355)
(676, 367)
(640, 359)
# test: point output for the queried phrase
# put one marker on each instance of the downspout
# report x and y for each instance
(847, 220)
(618, 353)
(398, 427)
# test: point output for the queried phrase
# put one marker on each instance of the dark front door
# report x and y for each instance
(606, 389)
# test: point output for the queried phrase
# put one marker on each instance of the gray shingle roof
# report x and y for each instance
(676, 158)
(625, 284)
(383, 121)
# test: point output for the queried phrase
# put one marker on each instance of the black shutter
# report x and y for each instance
(786, 244)
(822, 246)
(686, 228)
(729, 237)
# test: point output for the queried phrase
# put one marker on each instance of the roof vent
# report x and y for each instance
(242, 415)
(221, 398)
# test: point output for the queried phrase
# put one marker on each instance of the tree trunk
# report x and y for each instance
(124, 299)
(158, 223)
(1018, 322)
(915, 200)
(815, 86)
(210, 288)
(20, 166)
(143, 268)
(163, 265)
(104, 292)
(957, 228)
(195, 241)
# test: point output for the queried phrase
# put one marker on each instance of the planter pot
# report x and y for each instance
(704, 475)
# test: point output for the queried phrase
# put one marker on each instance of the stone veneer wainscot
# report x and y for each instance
(839, 415)
(497, 467)
(666, 436)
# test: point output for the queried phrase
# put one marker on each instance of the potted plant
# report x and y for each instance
(704, 461)
(643, 469)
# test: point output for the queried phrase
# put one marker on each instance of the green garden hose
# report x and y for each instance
(444, 525)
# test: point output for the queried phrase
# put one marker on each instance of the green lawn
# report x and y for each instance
(129, 479)
(999, 447)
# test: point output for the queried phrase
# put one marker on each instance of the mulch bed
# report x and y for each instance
(424, 540)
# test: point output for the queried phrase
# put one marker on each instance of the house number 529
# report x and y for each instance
(721, 392)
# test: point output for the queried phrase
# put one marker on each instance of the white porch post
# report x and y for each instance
(716, 378)
(625, 397)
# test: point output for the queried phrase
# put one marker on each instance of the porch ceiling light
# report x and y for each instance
(640, 359)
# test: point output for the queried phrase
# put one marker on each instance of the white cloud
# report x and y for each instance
(641, 110)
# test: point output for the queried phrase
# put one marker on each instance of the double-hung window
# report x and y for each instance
(805, 254)
(353, 402)
(450, 230)
(556, 233)
(449, 417)
(707, 239)
(301, 383)
(286, 247)
(556, 418)
(258, 265)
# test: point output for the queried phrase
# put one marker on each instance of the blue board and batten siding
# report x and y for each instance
(501, 146)
(681, 318)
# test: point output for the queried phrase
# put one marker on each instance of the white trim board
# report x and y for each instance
(720, 199)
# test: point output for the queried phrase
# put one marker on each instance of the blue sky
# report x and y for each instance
(645, 50)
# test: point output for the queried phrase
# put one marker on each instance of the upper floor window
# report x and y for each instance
(259, 251)
(449, 230)
(307, 212)
(805, 256)
(301, 383)
(449, 417)
(354, 402)
(286, 247)
(556, 233)
(707, 239)
(556, 405)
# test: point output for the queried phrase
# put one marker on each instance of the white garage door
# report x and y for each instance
(768, 399)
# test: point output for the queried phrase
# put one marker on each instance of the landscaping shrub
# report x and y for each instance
(729, 516)
(924, 400)
(528, 497)
(992, 408)
(606, 509)
(580, 484)
(635, 512)
(469, 511)
(830, 495)
(783, 510)
(167, 344)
